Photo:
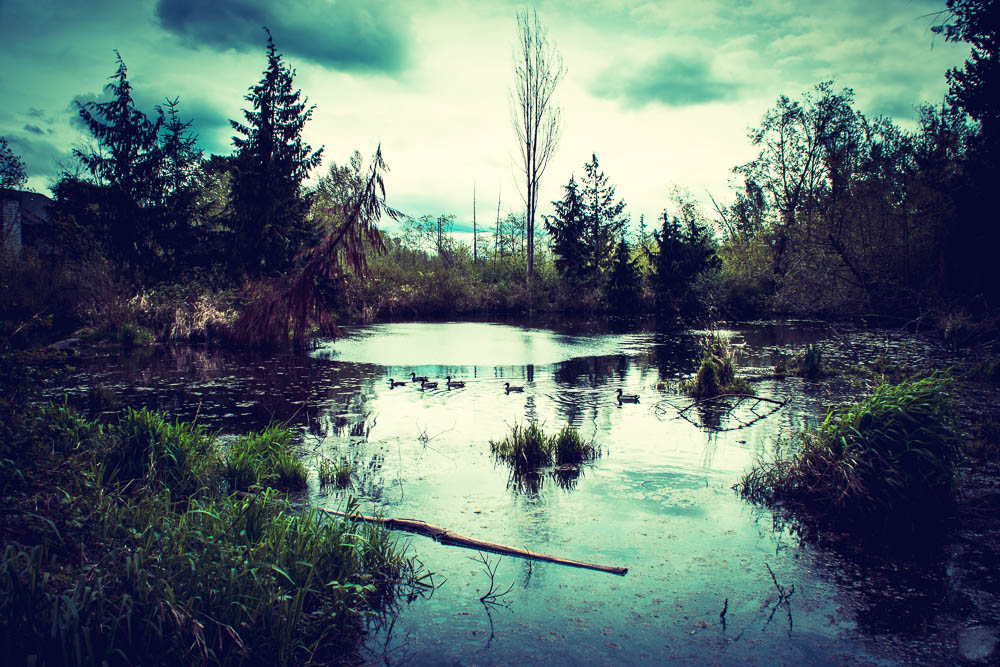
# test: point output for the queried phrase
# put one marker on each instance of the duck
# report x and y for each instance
(418, 378)
(428, 385)
(394, 383)
(627, 398)
(457, 384)
(509, 388)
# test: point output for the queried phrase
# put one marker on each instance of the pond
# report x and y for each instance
(659, 500)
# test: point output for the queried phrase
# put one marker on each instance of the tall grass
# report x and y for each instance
(889, 459)
(265, 458)
(528, 447)
(100, 563)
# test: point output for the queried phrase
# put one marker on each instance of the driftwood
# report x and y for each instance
(740, 398)
(455, 539)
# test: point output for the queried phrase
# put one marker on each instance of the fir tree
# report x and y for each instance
(271, 161)
(568, 231)
(605, 218)
(124, 163)
(624, 282)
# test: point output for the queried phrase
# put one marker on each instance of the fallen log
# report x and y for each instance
(456, 539)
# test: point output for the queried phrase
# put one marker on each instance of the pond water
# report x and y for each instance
(658, 501)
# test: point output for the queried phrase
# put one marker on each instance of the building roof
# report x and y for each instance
(34, 206)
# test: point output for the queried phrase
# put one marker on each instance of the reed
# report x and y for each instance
(528, 447)
(264, 459)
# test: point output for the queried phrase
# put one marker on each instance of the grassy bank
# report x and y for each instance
(887, 461)
(121, 543)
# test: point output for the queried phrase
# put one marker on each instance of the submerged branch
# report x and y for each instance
(456, 539)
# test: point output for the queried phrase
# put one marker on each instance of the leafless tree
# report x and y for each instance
(538, 68)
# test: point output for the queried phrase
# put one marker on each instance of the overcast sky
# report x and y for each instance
(662, 92)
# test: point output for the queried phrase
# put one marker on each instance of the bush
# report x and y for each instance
(808, 365)
(889, 459)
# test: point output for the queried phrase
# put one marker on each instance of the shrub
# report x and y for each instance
(889, 459)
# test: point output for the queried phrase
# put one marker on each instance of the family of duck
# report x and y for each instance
(426, 383)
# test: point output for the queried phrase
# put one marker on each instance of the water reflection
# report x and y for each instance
(658, 500)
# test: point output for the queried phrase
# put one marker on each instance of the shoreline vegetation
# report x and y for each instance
(125, 541)
(136, 540)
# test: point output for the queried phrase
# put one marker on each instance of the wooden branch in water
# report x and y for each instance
(455, 539)
(709, 399)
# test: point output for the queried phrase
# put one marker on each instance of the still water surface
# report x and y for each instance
(659, 501)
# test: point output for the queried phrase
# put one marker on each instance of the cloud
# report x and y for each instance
(673, 80)
(34, 129)
(41, 158)
(350, 36)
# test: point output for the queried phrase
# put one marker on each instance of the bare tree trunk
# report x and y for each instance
(537, 71)
(475, 244)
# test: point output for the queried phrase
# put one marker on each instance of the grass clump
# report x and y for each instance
(127, 334)
(143, 448)
(809, 364)
(528, 447)
(335, 473)
(887, 460)
(264, 459)
(717, 372)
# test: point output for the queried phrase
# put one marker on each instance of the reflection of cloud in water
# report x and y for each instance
(468, 344)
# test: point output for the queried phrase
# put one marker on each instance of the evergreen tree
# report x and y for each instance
(624, 282)
(179, 169)
(124, 163)
(684, 250)
(271, 161)
(605, 219)
(568, 231)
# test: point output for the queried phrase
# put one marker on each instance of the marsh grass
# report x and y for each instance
(101, 564)
(265, 458)
(716, 372)
(336, 473)
(528, 447)
(887, 460)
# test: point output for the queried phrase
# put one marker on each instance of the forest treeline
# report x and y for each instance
(839, 214)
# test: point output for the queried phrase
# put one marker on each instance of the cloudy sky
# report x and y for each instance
(663, 92)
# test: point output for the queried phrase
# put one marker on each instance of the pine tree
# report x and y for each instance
(624, 282)
(179, 166)
(568, 231)
(271, 161)
(124, 163)
(605, 218)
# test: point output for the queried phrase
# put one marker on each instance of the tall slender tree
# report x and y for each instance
(568, 230)
(124, 161)
(271, 162)
(538, 69)
(605, 217)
